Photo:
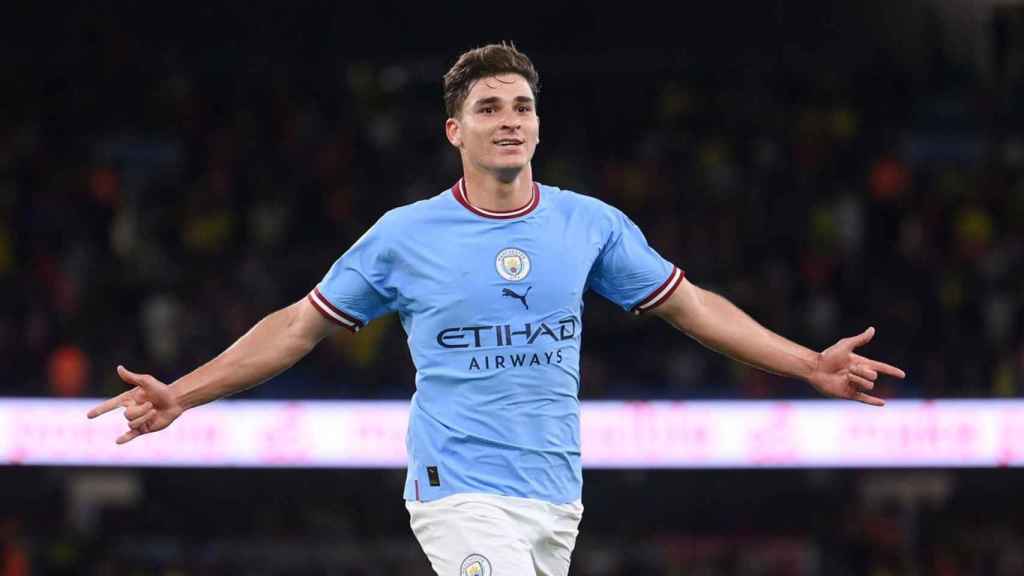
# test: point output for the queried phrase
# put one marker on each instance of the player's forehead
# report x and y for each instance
(509, 87)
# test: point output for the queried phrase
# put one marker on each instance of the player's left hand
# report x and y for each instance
(841, 373)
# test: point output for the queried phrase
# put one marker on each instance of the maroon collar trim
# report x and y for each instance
(459, 191)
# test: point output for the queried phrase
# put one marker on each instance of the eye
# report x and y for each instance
(524, 109)
(487, 110)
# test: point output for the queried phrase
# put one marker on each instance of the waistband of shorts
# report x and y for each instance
(497, 499)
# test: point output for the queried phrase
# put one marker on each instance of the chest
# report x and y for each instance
(489, 272)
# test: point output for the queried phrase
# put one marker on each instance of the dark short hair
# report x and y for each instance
(483, 62)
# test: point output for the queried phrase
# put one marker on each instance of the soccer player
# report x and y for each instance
(488, 279)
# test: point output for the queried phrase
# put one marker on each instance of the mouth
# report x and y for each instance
(508, 142)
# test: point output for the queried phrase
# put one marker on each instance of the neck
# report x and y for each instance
(487, 191)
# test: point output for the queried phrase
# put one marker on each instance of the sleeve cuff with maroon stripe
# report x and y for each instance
(332, 313)
(661, 293)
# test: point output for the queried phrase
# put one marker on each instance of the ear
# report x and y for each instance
(453, 130)
(538, 129)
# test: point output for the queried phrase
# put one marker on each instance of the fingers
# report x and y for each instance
(868, 399)
(144, 381)
(141, 383)
(863, 338)
(137, 427)
(108, 405)
(880, 367)
(861, 382)
(864, 372)
(128, 436)
(141, 423)
(138, 412)
(134, 411)
(127, 375)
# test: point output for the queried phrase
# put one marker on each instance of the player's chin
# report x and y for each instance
(509, 161)
(507, 174)
(507, 171)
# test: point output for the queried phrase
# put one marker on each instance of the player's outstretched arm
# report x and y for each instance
(718, 324)
(274, 344)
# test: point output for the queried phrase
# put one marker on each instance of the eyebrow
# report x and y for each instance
(495, 100)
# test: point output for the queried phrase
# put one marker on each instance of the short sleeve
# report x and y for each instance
(356, 289)
(629, 272)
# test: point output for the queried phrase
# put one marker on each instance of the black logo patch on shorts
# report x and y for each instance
(475, 565)
(435, 480)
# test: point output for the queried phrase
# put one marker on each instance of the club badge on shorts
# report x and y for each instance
(513, 264)
(475, 565)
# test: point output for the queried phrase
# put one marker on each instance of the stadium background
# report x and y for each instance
(168, 176)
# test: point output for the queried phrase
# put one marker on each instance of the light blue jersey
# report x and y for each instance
(492, 305)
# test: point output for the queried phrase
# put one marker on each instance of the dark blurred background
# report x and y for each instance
(169, 175)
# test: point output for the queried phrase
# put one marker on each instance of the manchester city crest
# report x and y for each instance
(475, 565)
(513, 264)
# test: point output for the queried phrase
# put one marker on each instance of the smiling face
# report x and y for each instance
(497, 128)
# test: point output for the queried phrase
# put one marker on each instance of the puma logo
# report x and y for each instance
(508, 292)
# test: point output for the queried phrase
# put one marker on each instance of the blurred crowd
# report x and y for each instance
(667, 523)
(156, 202)
(167, 179)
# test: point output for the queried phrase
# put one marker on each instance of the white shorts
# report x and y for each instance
(491, 535)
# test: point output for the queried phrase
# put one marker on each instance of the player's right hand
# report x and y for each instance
(149, 406)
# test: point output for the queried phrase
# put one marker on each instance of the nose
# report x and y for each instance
(509, 121)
